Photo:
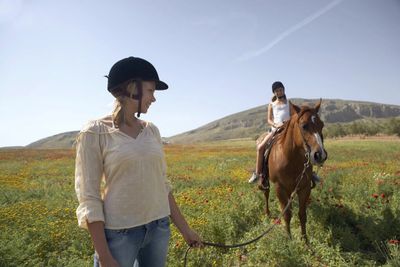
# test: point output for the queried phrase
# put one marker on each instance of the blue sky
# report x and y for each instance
(218, 57)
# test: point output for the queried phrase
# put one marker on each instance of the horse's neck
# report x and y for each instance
(291, 145)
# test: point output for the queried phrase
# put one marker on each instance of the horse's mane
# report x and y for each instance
(287, 124)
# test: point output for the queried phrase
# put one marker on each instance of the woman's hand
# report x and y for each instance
(192, 238)
(96, 230)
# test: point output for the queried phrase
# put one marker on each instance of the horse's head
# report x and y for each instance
(310, 127)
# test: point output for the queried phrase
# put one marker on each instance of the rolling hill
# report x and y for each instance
(62, 140)
(250, 123)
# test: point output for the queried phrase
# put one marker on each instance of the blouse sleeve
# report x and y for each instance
(167, 181)
(88, 176)
(157, 134)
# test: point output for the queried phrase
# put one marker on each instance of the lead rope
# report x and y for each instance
(219, 245)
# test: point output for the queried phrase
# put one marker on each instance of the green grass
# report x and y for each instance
(353, 216)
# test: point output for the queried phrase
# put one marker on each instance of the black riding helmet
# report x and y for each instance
(277, 85)
(132, 69)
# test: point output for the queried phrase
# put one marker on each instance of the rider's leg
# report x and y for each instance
(260, 158)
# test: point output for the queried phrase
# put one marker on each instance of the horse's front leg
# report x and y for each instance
(304, 195)
(283, 197)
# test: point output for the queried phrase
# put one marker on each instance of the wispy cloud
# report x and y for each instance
(252, 54)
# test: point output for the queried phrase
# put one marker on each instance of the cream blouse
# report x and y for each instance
(120, 180)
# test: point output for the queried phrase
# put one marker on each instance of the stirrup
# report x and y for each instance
(315, 178)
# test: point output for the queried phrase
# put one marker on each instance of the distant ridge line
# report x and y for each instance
(248, 123)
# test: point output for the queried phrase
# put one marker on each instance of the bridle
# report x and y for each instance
(306, 146)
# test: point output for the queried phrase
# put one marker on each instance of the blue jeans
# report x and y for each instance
(147, 244)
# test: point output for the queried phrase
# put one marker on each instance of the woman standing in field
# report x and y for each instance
(278, 113)
(129, 219)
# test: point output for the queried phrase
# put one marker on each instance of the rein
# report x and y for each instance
(298, 179)
(219, 245)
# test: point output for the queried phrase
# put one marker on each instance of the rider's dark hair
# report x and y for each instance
(275, 98)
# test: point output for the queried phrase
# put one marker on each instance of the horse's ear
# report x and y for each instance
(317, 106)
(293, 108)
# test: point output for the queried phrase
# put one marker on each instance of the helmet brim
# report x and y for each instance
(160, 85)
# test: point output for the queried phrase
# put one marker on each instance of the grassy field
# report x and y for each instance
(353, 215)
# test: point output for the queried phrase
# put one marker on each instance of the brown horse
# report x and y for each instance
(300, 143)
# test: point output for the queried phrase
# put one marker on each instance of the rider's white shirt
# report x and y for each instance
(281, 112)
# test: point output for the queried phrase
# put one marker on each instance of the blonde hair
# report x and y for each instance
(118, 114)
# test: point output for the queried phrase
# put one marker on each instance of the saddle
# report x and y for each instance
(264, 181)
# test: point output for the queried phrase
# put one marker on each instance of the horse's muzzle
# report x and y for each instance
(319, 157)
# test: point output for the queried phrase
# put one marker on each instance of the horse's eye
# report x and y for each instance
(305, 126)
